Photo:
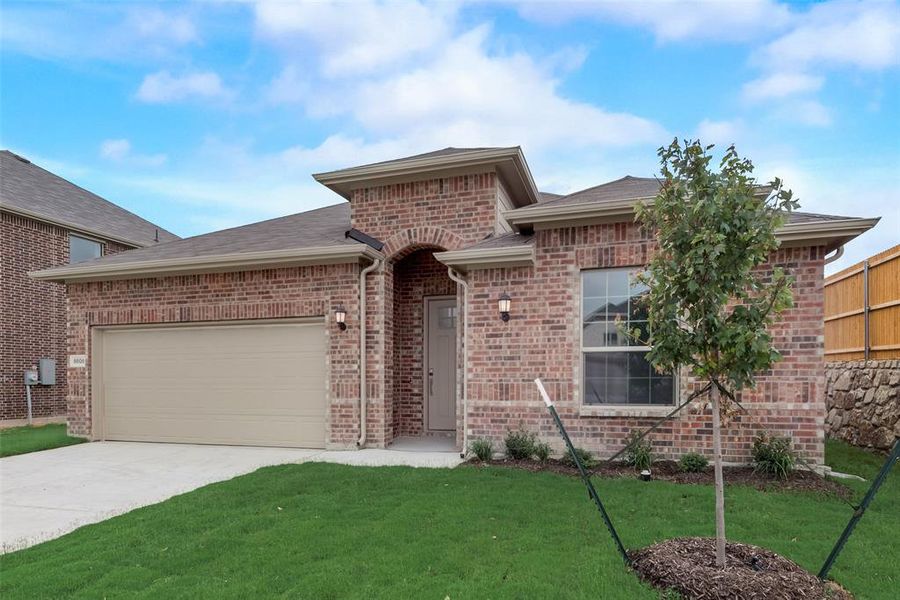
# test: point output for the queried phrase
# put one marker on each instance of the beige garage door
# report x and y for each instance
(259, 385)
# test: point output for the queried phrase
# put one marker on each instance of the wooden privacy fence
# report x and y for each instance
(862, 309)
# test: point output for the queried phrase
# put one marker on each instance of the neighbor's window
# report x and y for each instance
(83, 249)
(615, 370)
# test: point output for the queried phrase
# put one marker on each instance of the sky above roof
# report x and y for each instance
(210, 115)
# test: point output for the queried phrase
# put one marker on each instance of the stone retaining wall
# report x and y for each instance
(863, 401)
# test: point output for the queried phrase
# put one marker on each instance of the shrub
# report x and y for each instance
(520, 444)
(693, 462)
(639, 454)
(586, 457)
(772, 455)
(542, 451)
(483, 449)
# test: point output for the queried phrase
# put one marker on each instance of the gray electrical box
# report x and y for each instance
(47, 371)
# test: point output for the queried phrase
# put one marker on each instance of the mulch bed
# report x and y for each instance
(688, 565)
(667, 470)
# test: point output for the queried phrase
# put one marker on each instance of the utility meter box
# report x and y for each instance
(47, 371)
(31, 377)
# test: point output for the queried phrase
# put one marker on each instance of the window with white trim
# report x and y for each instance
(615, 370)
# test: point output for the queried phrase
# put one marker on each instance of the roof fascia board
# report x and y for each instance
(488, 258)
(548, 217)
(345, 181)
(72, 226)
(208, 264)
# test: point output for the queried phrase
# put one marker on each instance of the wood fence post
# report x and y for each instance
(866, 310)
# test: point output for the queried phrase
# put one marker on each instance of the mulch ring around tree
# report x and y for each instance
(688, 566)
(667, 470)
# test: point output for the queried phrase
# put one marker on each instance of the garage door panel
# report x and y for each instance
(235, 384)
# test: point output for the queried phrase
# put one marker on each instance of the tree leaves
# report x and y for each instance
(712, 296)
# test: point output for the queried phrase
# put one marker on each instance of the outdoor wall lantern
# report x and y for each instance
(340, 316)
(504, 304)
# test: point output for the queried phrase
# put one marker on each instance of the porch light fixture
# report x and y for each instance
(504, 304)
(340, 316)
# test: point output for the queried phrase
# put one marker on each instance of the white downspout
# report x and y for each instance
(460, 281)
(362, 350)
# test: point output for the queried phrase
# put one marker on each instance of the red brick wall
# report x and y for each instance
(542, 340)
(416, 277)
(265, 294)
(33, 313)
(463, 205)
(438, 214)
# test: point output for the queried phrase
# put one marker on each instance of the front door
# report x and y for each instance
(440, 364)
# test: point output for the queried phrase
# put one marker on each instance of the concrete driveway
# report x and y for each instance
(44, 495)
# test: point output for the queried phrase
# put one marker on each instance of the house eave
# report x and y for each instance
(245, 261)
(510, 163)
(74, 228)
(831, 233)
(487, 258)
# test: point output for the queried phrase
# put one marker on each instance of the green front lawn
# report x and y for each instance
(330, 531)
(20, 440)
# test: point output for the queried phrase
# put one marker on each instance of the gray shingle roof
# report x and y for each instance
(503, 240)
(28, 187)
(634, 188)
(448, 151)
(312, 229)
(626, 188)
(547, 196)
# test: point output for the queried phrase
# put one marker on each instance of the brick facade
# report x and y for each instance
(416, 277)
(265, 294)
(33, 313)
(541, 339)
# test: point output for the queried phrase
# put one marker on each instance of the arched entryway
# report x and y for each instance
(425, 315)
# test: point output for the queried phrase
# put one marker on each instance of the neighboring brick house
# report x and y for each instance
(46, 221)
(260, 335)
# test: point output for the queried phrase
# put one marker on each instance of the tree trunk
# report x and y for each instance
(720, 483)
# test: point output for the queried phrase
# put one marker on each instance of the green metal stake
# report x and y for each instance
(858, 513)
(584, 475)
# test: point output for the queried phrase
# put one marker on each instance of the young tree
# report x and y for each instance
(709, 305)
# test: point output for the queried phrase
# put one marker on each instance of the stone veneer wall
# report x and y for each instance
(863, 401)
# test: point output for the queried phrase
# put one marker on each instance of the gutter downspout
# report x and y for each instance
(460, 281)
(362, 349)
(839, 252)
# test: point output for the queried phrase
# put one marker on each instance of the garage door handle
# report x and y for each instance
(431, 382)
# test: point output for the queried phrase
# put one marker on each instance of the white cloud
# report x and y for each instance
(720, 133)
(865, 35)
(466, 96)
(115, 149)
(119, 151)
(781, 85)
(670, 20)
(113, 32)
(289, 87)
(154, 23)
(805, 112)
(162, 87)
(354, 39)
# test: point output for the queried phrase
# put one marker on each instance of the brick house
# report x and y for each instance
(277, 333)
(47, 221)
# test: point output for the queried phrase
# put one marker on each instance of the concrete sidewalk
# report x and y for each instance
(44, 495)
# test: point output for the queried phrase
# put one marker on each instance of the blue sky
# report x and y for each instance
(208, 115)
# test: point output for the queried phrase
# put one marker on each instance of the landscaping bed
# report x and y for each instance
(667, 470)
(688, 566)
